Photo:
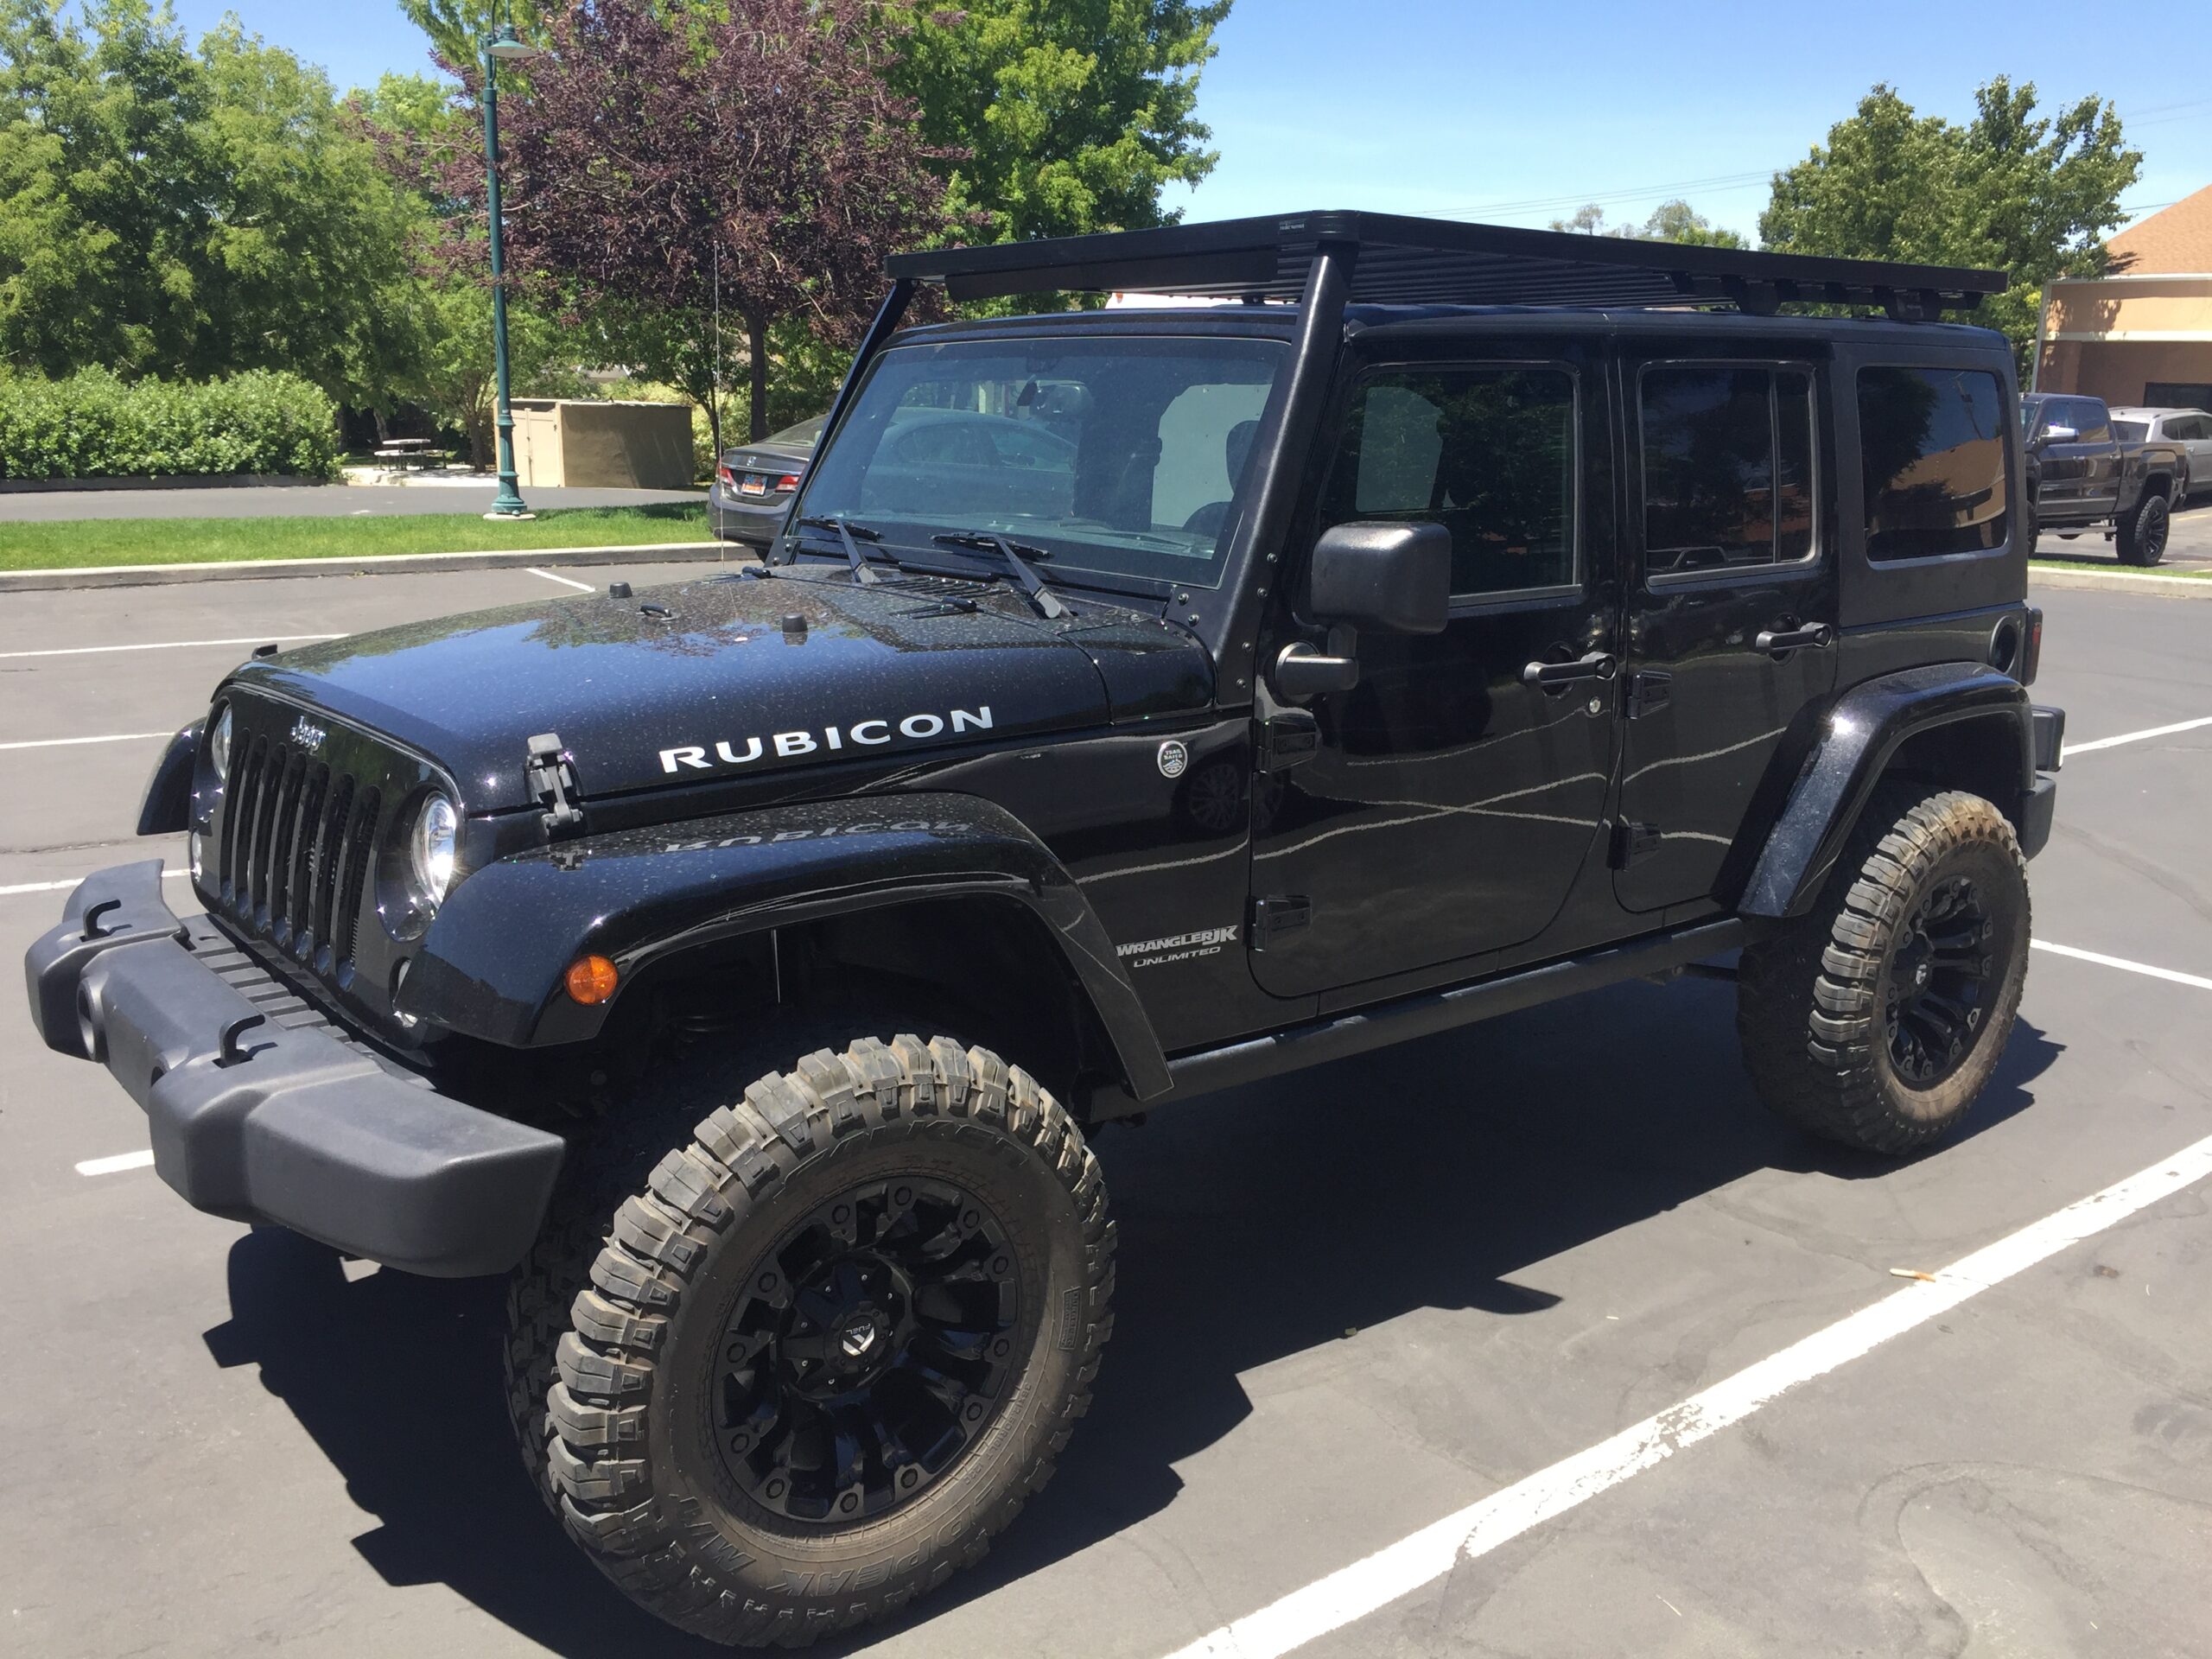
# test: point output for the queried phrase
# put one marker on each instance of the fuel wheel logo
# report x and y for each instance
(1174, 758)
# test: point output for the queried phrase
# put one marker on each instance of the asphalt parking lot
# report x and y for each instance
(1352, 1305)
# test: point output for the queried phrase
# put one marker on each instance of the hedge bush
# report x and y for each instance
(95, 424)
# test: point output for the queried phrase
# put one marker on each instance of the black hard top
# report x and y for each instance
(1405, 261)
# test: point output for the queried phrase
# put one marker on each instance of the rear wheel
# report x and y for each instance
(2142, 538)
(1877, 1020)
(834, 1342)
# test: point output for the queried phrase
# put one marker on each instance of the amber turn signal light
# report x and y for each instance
(591, 980)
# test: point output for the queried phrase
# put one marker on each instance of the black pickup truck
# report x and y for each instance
(2084, 474)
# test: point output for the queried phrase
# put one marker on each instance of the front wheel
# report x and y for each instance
(2142, 535)
(1877, 1020)
(835, 1342)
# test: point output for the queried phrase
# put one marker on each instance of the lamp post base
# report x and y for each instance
(498, 518)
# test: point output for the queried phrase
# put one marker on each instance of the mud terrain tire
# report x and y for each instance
(656, 1473)
(1876, 1020)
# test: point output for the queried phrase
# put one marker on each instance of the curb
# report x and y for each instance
(380, 564)
(2122, 581)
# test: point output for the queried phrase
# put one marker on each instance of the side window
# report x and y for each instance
(1488, 452)
(1728, 465)
(2092, 420)
(1932, 443)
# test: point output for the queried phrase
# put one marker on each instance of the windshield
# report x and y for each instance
(1118, 456)
(2131, 431)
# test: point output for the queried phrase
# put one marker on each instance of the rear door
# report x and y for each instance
(1452, 801)
(1732, 615)
(2101, 463)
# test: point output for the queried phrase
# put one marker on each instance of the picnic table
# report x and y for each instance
(412, 452)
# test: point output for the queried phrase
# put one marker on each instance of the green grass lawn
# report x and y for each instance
(2196, 571)
(194, 541)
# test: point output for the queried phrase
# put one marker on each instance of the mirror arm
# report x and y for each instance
(1303, 672)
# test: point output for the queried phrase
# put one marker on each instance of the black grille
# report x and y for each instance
(293, 853)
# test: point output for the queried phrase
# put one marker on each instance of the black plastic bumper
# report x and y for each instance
(261, 1110)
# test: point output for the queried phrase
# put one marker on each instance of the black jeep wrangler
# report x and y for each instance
(1136, 702)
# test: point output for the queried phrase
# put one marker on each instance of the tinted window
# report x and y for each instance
(1728, 465)
(1489, 453)
(1931, 442)
(2091, 421)
(2131, 431)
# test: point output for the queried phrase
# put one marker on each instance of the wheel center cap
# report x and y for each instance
(858, 1340)
(1920, 973)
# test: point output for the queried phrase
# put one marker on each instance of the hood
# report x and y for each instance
(727, 677)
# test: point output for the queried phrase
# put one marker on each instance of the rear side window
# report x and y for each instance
(1489, 453)
(1728, 468)
(1931, 442)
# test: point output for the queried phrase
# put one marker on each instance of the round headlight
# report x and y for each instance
(430, 849)
(219, 746)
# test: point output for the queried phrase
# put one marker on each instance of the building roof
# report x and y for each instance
(2179, 239)
(1423, 261)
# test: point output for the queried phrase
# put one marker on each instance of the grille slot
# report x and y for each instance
(360, 836)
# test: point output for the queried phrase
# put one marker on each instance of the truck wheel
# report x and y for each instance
(1876, 1020)
(2142, 538)
(834, 1342)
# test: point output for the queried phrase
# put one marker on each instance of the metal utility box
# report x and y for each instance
(584, 442)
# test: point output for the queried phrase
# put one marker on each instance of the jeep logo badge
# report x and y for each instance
(307, 735)
(1174, 758)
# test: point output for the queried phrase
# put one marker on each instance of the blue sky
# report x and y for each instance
(1518, 113)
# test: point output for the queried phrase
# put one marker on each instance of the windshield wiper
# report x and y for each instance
(1017, 556)
(847, 531)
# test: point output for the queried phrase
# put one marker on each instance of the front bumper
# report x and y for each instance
(260, 1110)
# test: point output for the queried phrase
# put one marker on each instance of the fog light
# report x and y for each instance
(591, 980)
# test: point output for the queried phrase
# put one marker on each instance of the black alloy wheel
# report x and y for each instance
(1937, 984)
(868, 1352)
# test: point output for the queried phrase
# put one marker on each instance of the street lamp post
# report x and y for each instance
(503, 43)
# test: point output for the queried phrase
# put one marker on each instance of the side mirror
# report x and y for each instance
(1396, 578)
(2058, 435)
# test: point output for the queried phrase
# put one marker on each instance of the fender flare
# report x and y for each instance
(167, 808)
(493, 962)
(1857, 741)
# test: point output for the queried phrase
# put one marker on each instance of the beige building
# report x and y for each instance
(2143, 334)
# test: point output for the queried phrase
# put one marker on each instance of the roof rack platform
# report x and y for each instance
(1394, 260)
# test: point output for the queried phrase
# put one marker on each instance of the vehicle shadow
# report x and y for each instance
(1268, 1222)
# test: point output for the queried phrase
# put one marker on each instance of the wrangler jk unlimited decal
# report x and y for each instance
(1179, 947)
(863, 734)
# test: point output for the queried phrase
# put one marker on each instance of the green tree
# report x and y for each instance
(1071, 116)
(1670, 221)
(2031, 196)
(187, 214)
(458, 28)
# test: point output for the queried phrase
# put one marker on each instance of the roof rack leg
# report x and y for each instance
(1282, 449)
(888, 318)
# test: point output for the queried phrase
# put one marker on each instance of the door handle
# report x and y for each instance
(1815, 634)
(1545, 677)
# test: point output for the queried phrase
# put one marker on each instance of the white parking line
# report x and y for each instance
(1399, 1569)
(173, 645)
(2073, 749)
(63, 742)
(116, 1165)
(580, 586)
(56, 887)
(2102, 960)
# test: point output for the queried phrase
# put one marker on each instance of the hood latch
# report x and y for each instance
(551, 779)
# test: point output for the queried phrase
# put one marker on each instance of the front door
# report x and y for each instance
(1452, 801)
(1732, 621)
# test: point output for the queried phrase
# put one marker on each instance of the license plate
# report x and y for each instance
(753, 484)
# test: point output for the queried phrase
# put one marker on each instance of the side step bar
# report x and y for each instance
(1421, 1014)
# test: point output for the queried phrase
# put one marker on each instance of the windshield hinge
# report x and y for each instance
(551, 779)
(1282, 740)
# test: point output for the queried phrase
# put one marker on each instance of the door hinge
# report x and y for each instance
(1285, 739)
(1649, 691)
(1276, 914)
(1633, 843)
(551, 779)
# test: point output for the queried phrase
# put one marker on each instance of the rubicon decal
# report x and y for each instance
(861, 735)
